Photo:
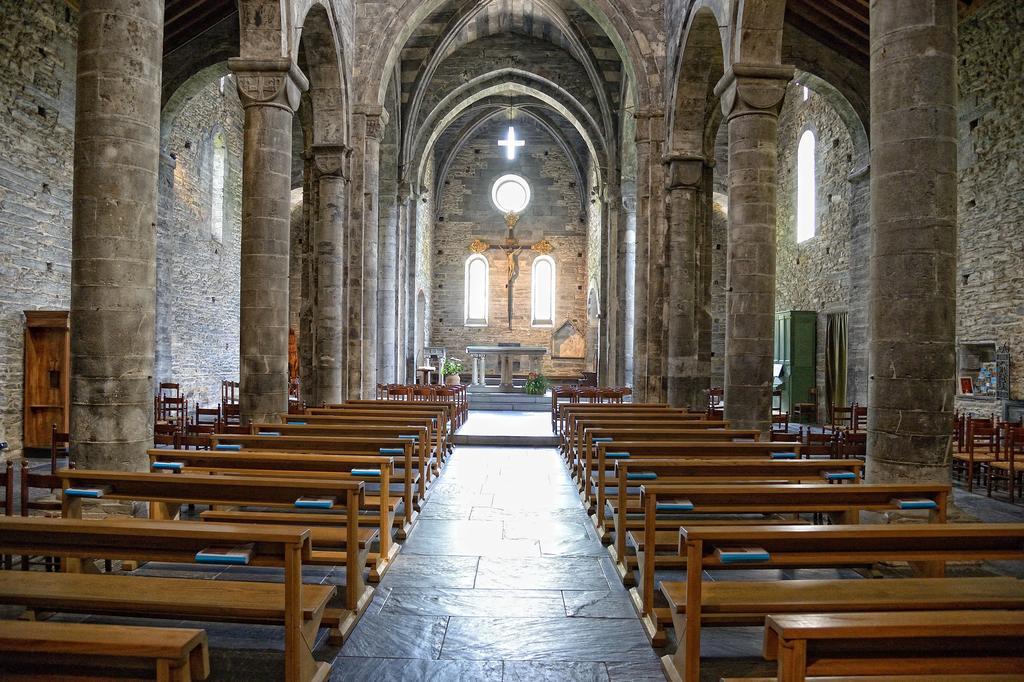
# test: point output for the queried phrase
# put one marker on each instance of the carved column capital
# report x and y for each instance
(684, 172)
(332, 160)
(268, 82)
(377, 118)
(406, 192)
(754, 89)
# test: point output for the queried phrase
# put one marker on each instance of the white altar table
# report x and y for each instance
(505, 355)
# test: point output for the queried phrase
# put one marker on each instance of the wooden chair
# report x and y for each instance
(982, 448)
(807, 411)
(165, 434)
(858, 418)
(1008, 468)
(7, 500)
(822, 444)
(230, 414)
(204, 420)
(60, 444)
(853, 444)
(92, 651)
(786, 436)
(229, 392)
(842, 417)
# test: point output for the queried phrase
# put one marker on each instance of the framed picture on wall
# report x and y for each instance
(966, 386)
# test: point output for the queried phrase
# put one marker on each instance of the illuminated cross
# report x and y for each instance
(510, 143)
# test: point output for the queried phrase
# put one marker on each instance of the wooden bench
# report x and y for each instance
(298, 607)
(423, 459)
(403, 450)
(456, 414)
(692, 471)
(921, 643)
(576, 420)
(587, 460)
(375, 472)
(32, 650)
(842, 504)
(167, 492)
(433, 421)
(926, 547)
(608, 452)
(566, 410)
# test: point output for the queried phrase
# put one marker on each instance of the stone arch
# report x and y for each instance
(635, 59)
(757, 32)
(186, 91)
(700, 65)
(318, 46)
(855, 125)
(460, 100)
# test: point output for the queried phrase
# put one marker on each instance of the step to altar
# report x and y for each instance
(508, 402)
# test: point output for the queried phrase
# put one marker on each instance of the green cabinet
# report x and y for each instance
(796, 339)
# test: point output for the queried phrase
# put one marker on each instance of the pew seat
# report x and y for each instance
(908, 643)
(32, 650)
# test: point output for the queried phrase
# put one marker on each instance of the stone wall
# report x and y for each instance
(37, 120)
(815, 274)
(198, 289)
(990, 300)
(465, 212)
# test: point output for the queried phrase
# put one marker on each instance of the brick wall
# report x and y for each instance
(465, 213)
(37, 120)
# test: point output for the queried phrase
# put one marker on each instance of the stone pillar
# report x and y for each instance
(163, 366)
(914, 229)
(627, 292)
(649, 312)
(687, 376)
(387, 288)
(368, 128)
(752, 97)
(328, 245)
(610, 352)
(408, 308)
(705, 249)
(308, 283)
(269, 90)
(113, 250)
(858, 322)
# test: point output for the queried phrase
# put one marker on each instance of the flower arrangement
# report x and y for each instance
(537, 384)
(451, 366)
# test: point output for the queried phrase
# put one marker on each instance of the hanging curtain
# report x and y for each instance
(835, 361)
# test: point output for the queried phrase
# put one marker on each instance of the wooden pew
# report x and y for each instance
(589, 463)
(920, 643)
(453, 414)
(404, 450)
(298, 607)
(167, 492)
(577, 445)
(437, 435)
(693, 471)
(419, 435)
(570, 435)
(927, 547)
(564, 410)
(33, 650)
(607, 453)
(372, 470)
(842, 503)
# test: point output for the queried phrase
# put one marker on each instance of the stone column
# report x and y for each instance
(610, 352)
(368, 126)
(408, 309)
(687, 377)
(269, 90)
(752, 97)
(113, 250)
(858, 321)
(627, 292)
(308, 282)
(387, 288)
(914, 229)
(328, 245)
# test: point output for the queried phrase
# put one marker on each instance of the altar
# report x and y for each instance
(505, 353)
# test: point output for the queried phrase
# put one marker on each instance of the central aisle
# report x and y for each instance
(503, 578)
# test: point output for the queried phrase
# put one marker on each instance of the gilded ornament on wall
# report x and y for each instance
(477, 246)
(543, 246)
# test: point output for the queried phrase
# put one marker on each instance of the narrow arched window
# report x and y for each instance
(476, 291)
(543, 292)
(806, 189)
(218, 176)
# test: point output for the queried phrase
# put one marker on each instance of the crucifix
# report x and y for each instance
(510, 143)
(511, 248)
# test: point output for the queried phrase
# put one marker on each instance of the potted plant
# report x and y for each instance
(450, 371)
(537, 384)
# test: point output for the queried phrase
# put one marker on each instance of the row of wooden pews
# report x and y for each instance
(338, 486)
(673, 491)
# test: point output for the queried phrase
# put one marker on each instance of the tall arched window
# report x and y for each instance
(543, 292)
(806, 189)
(476, 291)
(218, 176)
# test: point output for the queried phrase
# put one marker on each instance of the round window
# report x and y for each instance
(510, 194)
